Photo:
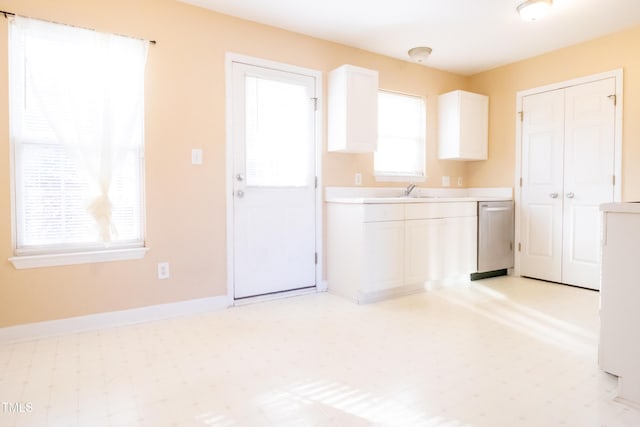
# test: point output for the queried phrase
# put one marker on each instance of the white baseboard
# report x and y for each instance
(31, 331)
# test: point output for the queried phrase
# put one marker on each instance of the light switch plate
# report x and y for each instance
(196, 156)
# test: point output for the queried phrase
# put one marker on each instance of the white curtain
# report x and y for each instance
(88, 89)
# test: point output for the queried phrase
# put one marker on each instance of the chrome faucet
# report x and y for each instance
(409, 189)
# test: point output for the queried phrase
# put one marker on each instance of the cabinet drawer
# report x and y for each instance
(440, 210)
(383, 212)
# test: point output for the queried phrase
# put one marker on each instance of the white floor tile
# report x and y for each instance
(497, 352)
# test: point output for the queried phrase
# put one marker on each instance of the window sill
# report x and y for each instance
(395, 178)
(51, 260)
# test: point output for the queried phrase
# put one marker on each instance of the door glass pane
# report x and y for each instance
(278, 133)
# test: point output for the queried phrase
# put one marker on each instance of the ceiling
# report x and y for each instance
(467, 36)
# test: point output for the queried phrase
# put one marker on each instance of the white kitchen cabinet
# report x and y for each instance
(463, 126)
(619, 350)
(353, 110)
(440, 241)
(384, 255)
(365, 250)
(376, 251)
(422, 250)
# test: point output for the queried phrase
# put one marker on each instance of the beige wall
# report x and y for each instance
(185, 108)
(615, 51)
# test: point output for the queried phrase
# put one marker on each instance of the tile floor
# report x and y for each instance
(498, 352)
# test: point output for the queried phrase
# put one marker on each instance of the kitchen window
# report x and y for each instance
(401, 138)
(77, 132)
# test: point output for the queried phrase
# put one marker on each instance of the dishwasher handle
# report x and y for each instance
(486, 208)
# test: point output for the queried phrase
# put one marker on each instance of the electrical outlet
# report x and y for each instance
(446, 181)
(163, 270)
(358, 178)
(459, 181)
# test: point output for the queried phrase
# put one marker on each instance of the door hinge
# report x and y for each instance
(521, 115)
(315, 104)
(316, 182)
(613, 180)
(520, 181)
(519, 247)
(316, 258)
(615, 99)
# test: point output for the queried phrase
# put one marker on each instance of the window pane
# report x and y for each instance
(401, 139)
(399, 157)
(76, 104)
(53, 206)
(278, 133)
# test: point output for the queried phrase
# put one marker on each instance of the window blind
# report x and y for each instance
(401, 135)
(77, 131)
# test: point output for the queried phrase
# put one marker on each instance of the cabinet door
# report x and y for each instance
(422, 247)
(460, 246)
(463, 123)
(437, 249)
(384, 254)
(474, 126)
(353, 110)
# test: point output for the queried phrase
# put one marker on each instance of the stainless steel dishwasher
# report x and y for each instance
(495, 239)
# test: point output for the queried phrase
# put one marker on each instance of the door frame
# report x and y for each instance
(617, 187)
(230, 58)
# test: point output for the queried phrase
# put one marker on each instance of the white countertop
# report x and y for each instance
(622, 207)
(357, 195)
(402, 199)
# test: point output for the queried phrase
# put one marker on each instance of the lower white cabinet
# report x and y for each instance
(376, 251)
(619, 350)
(384, 250)
(439, 249)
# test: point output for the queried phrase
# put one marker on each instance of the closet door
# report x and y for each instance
(588, 178)
(541, 199)
(567, 172)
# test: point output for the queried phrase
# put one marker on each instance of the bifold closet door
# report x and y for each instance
(541, 196)
(567, 172)
(588, 178)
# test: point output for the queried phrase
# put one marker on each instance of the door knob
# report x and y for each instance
(570, 195)
(240, 194)
(553, 195)
(239, 177)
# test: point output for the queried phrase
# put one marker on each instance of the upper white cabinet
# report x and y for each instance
(463, 126)
(353, 110)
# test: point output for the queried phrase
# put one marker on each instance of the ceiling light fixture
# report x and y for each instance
(532, 10)
(420, 54)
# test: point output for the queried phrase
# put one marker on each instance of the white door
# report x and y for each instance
(588, 178)
(567, 172)
(274, 180)
(542, 176)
